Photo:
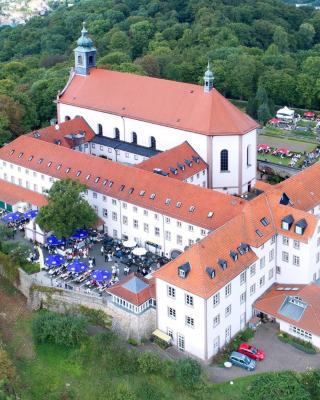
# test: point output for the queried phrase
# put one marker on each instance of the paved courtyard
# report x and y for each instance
(279, 356)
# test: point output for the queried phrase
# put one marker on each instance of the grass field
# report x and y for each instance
(50, 372)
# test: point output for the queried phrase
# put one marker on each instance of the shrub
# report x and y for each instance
(149, 362)
(68, 330)
(95, 317)
(188, 372)
(133, 342)
(310, 380)
(299, 344)
(276, 385)
(149, 392)
(6, 367)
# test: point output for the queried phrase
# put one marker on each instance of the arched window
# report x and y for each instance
(134, 138)
(224, 160)
(153, 142)
(90, 60)
(80, 61)
(67, 118)
(249, 155)
(100, 129)
(116, 133)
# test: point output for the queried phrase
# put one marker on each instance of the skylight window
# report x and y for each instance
(97, 179)
(122, 188)
(178, 204)
(191, 209)
(105, 182)
(20, 155)
(11, 152)
(264, 221)
(152, 196)
(68, 170)
(49, 163)
(40, 161)
(168, 201)
(142, 193)
(210, 214)
(110, 183)
(131, 190)
(88, 177)
(78, 173)
(259, 233)
(30, 158)
(59, 167)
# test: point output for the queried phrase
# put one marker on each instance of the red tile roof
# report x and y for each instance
(246, 227)
(303, 189)
(75, 126)
(134, 298)
(271, 301)
(171, 158)
(178, 105)
(144, 183)
(13, 194)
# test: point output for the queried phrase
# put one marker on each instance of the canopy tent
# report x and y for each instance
(285, 113)
(101, 275)
(80, 234)
(162, 336)
(263, 147)
(12, 217)
(54, 241)
(283, 151)
(129, 243)
(77, 267)
(31, 214)
(54, 260)
(139, 251)
(309, 114)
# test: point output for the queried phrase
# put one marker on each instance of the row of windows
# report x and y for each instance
(295, 259)
(188, 299)
(134, 136)
(224, 159)
(286, 242)
(189, 321)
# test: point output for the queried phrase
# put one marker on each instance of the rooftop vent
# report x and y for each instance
(11, 152)
(211, 272)
(287, 222)
(97, 179)
(234, 255)
(30, 158)
(210, 214)
(300, 226)
(68, 170)
(104, 182)
(223, 264)
(184, 270)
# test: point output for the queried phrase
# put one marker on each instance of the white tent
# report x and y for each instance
(285, 114)
(33, 232)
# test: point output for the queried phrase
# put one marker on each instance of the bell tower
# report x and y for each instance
(85, 53)
(208, 79)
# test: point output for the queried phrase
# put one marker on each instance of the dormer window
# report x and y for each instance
(152, 196)
(88, 177)
(191, 209)
(49, 163)
(179, 204)
(11, 152)
(78, 173)
(40, 161)
(287, 222)
(210, 214)
(142, 193)
(211, 272)
(97, 179)
(196, 159)
(168, 201)
(223, 264)
(181, 166)
(174, 170)
(122, 188)
(30, 158)
(110, 183)
(264, 221)
(131, 190)
(68, 170)
(184, 270)
(259, 233)
(243, 248)
(105, 182)
(234, 255)
(20, 155)
(59, 167)
(300, 226)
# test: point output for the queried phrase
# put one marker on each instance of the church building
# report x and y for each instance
(159, 114)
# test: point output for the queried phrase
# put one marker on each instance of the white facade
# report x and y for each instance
(237, 179)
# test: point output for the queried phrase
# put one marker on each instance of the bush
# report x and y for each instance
(310, 380)
(299, 344)
(95, 317)
(188, 373)
(149, 392)
(149, 363)
(276, 385)
(133, 342)
(68, 330)
(6, 367)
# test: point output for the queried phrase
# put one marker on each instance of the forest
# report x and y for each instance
(265, 52)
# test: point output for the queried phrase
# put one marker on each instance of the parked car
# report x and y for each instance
(240, 360)
(251, 351)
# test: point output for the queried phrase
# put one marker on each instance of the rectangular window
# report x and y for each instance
(228, 290)
(179, 224)
(156, 216)
(296, 244)
(167, 219)
(135, 209)
(189, 321)
(171, 292)
(285, 240)
(203, 232)
(191, 242)
(95, 195)
(262, 281)
(114, 202)
(188, 300)
(190, 227)
(114, 216)
(273, 239)
(271, 255)
(135, 224)
(285, 256)
(125, 220)
(179, 240)
(242, 297)
(252, 270)
(216, 299)
(168, 235)
(262, 262)
(157, 231)
(271, 273)
(296, 261)
(171, 313)
(145, 213)
(146, 228)
(252, 289)
(243, 278)
(124, 205)
(104, 198)
(216, 320)
(228, 310)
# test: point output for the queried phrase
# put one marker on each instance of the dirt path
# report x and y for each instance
(14, 314)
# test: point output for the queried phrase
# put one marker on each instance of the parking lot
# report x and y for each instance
(279, 356)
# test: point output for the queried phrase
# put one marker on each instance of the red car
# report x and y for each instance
(251, 351)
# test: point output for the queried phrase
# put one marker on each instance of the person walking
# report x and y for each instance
(102, 250)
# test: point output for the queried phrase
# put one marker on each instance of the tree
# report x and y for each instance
(66, 209)
(264, 113)
(280, 39)
(305, 36)
(276, 385)
(188, 373)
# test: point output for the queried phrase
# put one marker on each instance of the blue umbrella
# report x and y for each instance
(54, 260)
(80, 234)
(54, 241)
(12, 217)
(101, 275)
(31, 214)
(77, 267)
